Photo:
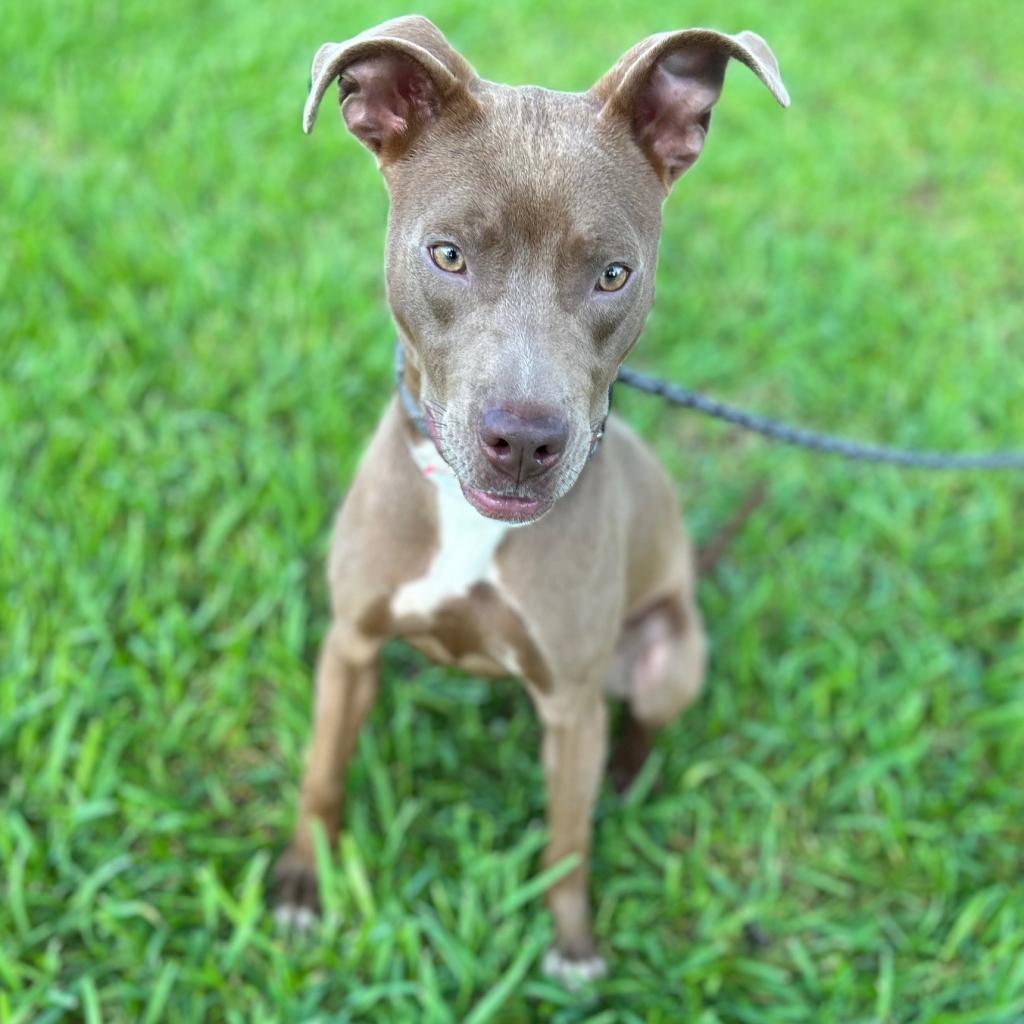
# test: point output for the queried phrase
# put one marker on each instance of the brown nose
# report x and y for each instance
(523, 445)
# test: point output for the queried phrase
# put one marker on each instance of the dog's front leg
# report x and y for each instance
(574, 745)
(346, 686)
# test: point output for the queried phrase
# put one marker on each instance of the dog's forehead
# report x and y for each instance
(534, 162)
(550, 124)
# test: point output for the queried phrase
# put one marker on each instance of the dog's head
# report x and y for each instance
(523, 234)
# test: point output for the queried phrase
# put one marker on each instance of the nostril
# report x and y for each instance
(547, 455)
(501, 445)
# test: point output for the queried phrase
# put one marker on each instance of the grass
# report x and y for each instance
(194, 347)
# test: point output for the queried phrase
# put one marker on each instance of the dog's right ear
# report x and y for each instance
(393, 82)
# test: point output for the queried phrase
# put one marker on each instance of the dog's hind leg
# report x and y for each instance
(659, 671)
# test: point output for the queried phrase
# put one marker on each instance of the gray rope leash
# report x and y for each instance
(676, 395)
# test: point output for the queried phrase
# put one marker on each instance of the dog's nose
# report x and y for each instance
(523, 444)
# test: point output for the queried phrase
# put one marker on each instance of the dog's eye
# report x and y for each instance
(613, 277)
(448, 257)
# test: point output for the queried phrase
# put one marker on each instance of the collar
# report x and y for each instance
(418, 417)
(412, 408)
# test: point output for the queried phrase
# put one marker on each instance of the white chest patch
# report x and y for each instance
(467, 542)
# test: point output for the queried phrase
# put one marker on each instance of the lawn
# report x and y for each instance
(194, 347)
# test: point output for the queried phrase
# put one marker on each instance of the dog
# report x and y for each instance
(500, 520)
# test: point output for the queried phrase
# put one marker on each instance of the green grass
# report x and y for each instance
(194, 347)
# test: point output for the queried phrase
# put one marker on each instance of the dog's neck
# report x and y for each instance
(407, 384)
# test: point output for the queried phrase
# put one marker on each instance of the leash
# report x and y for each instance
(828, 444)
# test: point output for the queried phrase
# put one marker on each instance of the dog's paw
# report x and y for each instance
(573, 974)
(294, 895)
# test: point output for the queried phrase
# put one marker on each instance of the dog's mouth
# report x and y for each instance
(492, 502)
(505, 507)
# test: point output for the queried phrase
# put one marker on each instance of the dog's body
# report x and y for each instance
(522, 536)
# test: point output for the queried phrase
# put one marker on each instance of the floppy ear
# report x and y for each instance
(393, 81)
(664, 89)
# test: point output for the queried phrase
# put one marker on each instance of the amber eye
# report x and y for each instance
(613, 277)
(448, 257)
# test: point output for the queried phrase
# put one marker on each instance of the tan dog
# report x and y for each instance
(512, 539)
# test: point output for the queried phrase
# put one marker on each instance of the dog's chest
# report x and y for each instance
(467, 544)
(460, 612)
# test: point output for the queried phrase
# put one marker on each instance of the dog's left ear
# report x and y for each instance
(664, 89)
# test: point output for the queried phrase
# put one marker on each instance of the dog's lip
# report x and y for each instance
(505, 507)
